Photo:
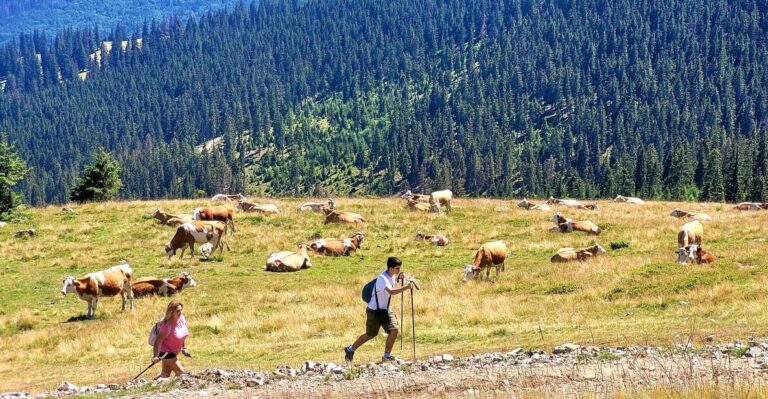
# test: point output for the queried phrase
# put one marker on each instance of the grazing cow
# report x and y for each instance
(570, 254)
(196, 232)
(317, 206)
(565, 225)
(334, 247)
(704, 256)
(417, 197)
(489, 254)
(688, 241)
(148, 286)
(110, 282)
(261, 208)
(229, 198)
(416, 205)
(220, 213)
(25, 233)
(287, 261)
(441, 198)
(531, 206)
(629, 200)
(336, 216)
(437, 239)
(748, 206)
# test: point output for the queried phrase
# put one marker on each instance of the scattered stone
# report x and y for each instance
(755, 351)
(447, 358)
(67, 386)
(566, 348)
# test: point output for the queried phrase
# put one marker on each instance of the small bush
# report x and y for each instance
(619, 244)
(562, 288)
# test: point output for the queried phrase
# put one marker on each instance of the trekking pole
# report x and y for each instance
(402, 283)
(413, 325)
(143, 371)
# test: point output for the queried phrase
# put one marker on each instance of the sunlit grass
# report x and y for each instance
(242, 317)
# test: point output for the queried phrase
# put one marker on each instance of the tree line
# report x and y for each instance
(663, 100)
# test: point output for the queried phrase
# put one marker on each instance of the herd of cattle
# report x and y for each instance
(210, 227)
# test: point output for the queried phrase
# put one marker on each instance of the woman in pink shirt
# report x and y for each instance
(171, 333)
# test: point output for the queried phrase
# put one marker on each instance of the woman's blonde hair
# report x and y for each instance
(172, 306)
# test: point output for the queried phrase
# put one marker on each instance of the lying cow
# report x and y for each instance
(678, 213)
(416, 205)
(317, 206)
(220, 213)
(629, 200)
(416, 197)
(336, 247)
(229, 197)
(261, 208)
(689, 239)
(165, 217)
(565, 225)
(110, 282)
(748, 206)
(531, 206)
(336, 216)
(441, 199)
(287, 261)
(491, 254)
(704, 256)
(437, 239)
(571, 254)
(197, 232)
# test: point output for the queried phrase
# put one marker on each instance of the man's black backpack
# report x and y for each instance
(368, 289)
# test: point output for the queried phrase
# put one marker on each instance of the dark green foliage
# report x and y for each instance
(341, 97)
(619, 244)
(100, 181)
(12, 170)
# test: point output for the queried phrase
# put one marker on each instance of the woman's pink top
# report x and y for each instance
(175, 340)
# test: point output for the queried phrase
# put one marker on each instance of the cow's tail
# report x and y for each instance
(232, 223)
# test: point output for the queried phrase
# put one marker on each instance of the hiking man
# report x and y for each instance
(377, 314)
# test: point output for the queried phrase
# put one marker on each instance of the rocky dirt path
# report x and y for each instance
(570, 370)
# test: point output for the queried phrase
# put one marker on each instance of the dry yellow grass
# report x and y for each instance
(242, 317)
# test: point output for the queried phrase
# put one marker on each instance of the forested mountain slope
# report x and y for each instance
(50, 16)
(568, 98)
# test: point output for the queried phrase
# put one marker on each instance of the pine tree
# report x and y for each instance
(100, 181)
(12, 170)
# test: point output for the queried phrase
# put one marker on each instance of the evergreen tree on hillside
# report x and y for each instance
(100, 181)
(12, 170)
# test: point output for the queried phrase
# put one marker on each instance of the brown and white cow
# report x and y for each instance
(109, 282)
(417, 197)
(490, 254)
(689, 239)
(704, 256)
(220, 213)
(176, 222)
(748, 206)
(336, 216)
(288, 261)
(416, 205)
(440, 199)
(260, 208)
(629, 200)
(165, 217)
(338, 247)
(531, 206)
(438, 239)
(229, 197)
(148, 286)
(197, 232)
(678, 213)
(317, 206)
(571, 254)
(566, 225)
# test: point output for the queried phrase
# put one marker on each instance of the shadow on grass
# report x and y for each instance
(73, 319)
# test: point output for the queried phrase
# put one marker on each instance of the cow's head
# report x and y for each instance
(599, 249)
(551, 200)
(331, 203)
(359, 236)
(169, 250)
(156, 212)
(620, 198)
(190, 281)
(196, 214)
(407, 194)
(470, 272)
(687, 254)
(419, 235)
(69, 285)
(523, 203)
(434, 206)
(206, 250)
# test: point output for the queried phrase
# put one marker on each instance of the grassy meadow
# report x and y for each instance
(243, 317)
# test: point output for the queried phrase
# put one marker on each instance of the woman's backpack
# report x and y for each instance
(153, 333)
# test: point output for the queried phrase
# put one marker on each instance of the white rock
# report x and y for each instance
(447, 358)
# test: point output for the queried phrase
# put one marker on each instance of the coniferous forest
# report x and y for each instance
(488, 98)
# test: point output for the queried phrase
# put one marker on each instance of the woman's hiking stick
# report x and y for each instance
(402, 282)
(143, 371)
(413, 325)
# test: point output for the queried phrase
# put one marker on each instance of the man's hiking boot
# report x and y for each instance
(349, 354)
(387, 358)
